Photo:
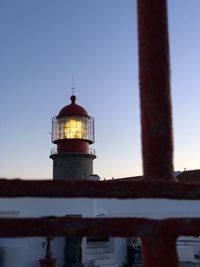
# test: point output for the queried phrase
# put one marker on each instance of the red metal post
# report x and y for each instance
(155, 90)
(157, 147)
(159, 251)
(151, 231)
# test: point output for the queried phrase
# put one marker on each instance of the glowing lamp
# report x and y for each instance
(74, 129)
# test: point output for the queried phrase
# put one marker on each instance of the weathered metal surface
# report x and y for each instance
(69, 225)
(155, 90)
(157, 145)
(93, 189)
(159, 251)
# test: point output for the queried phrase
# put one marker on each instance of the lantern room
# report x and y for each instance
(73, 129)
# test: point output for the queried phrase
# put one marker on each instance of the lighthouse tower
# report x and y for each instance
(73, 133)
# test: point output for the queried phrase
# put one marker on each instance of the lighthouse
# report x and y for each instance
(72, 133)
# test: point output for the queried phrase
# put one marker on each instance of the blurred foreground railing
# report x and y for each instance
(158, 236)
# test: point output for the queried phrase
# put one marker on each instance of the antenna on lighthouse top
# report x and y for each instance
(73, 90)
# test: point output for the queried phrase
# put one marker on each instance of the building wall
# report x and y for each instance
(149, 208)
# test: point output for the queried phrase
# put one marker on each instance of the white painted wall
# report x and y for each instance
(148, 208)
(37, 207)
(120, 249)
(26, 252)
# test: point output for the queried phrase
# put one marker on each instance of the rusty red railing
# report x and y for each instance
(103, 189)
(158, 236)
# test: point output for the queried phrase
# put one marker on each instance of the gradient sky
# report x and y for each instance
(46, 42)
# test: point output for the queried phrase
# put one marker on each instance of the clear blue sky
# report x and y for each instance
(46, 42)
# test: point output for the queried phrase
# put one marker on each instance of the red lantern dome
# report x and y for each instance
(73, 109)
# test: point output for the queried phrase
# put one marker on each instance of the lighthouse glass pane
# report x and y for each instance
(71, 127)
(55, 129)
(74, 128)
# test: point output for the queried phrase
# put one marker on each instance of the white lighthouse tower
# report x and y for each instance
(72, 133)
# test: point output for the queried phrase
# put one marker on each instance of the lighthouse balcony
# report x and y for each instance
(90, 151)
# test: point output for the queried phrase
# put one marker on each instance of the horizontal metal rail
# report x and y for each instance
(123, 227)
(94, 189)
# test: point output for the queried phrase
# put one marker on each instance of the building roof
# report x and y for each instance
(191, 176)
(131, 178)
